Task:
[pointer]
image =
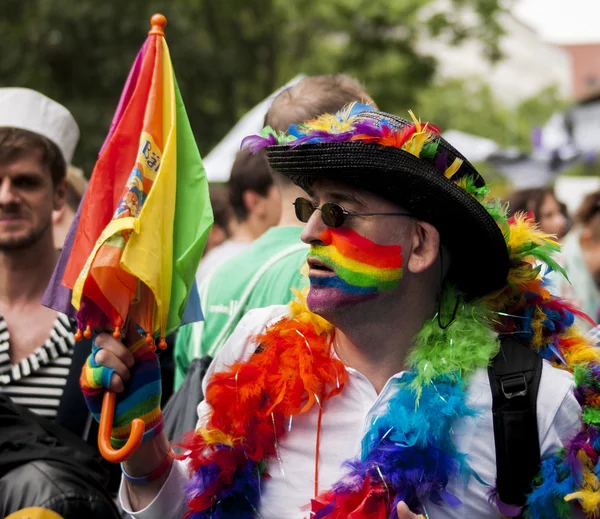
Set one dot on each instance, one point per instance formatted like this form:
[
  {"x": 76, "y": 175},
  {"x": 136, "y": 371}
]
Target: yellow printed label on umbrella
[
  {"x": 150, "y": 156},
  {"x": 115, "y": 226}
]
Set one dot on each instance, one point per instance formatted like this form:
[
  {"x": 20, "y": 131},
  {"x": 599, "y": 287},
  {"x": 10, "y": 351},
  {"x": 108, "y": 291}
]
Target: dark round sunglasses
[{"x": 333, "y": 215}]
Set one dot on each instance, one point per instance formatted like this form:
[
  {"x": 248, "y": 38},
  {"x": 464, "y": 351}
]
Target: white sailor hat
[{"x": 27, "y": 109}]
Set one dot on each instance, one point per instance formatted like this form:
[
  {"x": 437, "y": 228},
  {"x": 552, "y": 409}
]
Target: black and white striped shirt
[{"x": 38, "y": 381}]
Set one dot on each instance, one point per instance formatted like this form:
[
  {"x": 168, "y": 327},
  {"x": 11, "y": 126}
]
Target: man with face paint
[{"x": 369, "y": 397}]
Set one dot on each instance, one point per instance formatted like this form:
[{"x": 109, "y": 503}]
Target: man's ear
[
  {"x": 60, "y": 195},
  {"x": 251, "y": 201},
  {"x": 586, "y": 236},
  {"x": 57, "y": 214},
  {"x": 425, "y": 247}
]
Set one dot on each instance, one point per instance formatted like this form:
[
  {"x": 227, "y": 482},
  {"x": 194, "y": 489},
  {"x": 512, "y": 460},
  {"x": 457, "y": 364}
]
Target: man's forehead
[
  {"x": 334, "y": 191},
  {"x": 24, "y": 163},
  {"x": 328, "y": 187}
]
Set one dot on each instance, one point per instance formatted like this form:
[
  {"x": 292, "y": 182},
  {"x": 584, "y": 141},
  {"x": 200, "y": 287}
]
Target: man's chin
[
  {"x": 19, "y": 242},
  {"x": 325, "y": 301}
]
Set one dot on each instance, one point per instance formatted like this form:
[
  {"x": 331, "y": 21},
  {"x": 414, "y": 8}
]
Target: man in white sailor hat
[{"x": 37, "y": 139}]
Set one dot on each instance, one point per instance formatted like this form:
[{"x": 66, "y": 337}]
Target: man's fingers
[
  {"x": 116, "y": 383},
  {"x": 117, "y": 348},
  {"x": 404, "y": 512},
  {"x": 109, "y": 360}
]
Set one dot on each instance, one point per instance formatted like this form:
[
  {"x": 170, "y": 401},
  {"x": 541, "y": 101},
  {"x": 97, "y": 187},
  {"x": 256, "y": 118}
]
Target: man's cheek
[{"x": 362, "y": 267}]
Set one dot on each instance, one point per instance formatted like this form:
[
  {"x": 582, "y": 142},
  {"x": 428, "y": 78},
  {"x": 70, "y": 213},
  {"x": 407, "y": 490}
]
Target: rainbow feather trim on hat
[{"x": 418, "y": 139}]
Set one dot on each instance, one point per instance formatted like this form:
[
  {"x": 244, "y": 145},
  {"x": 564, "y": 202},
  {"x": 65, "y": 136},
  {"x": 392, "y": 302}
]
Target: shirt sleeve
[{"x": 169, "y": 503}]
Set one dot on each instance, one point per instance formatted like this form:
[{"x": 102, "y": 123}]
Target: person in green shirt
[{"x": 269, "y": 270}]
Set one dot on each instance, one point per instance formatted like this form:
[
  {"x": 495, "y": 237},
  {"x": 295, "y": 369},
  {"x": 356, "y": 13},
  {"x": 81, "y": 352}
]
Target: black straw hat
[{"x": 479, "y": 255}]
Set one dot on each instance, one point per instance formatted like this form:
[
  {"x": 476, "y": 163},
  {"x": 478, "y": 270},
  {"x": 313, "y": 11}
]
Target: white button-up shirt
[{"x": 287, "y": 493}]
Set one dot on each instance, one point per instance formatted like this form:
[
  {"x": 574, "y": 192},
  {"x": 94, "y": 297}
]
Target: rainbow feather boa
[{"x": 408, "y": 454}]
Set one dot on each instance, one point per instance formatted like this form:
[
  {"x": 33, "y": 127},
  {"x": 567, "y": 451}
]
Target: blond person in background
[
  {"x": 63, "y": 217},
  {"x": 254, "y": 202},
  {"x": 238, "y": 285}
]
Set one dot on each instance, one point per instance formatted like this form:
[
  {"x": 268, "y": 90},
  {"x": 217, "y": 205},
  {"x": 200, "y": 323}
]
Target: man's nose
[
  {"x": 315, "y": 231},
  {"x": 7, "y": 192}
]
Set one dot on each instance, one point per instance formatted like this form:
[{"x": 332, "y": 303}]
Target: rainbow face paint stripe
[{"x": 362, "y": 268}]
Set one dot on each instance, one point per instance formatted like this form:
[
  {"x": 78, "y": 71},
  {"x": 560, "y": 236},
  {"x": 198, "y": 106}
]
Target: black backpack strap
[{"x": 515, "y": 379}]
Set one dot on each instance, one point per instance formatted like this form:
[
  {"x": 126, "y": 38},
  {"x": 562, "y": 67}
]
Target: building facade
[{"x": 585, "y": 69}]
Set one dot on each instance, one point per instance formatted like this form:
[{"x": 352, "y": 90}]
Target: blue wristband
[{"x": 155, "y": 474}]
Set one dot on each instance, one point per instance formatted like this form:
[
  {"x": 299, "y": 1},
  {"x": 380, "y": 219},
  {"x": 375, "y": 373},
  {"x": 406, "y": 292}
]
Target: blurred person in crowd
[
  {"x": 39, "y": 365},
  {"x": 550, "y": 214},
  {"x": 37, "y": 140},
  {"x": 221, "y": 228},
  {"x": 581, "y": 258},
  {"x": 270, "y": 268},
  {"x": 63, "y": 217},
  {"x": 255, "y": 204},
  {"x": 548, "y": 211}
]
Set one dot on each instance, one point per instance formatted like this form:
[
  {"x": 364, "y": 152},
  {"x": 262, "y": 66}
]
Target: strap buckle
[{"x": 514, "y": 385}]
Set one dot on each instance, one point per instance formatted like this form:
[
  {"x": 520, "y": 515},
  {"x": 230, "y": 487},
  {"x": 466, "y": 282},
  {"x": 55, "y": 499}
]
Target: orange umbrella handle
[{"x": 106, "y": 422}]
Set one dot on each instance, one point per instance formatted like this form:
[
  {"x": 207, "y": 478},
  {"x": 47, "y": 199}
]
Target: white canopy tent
[
  {"x": 476, "y": 149},
  {"x": 219, "y": 161}
]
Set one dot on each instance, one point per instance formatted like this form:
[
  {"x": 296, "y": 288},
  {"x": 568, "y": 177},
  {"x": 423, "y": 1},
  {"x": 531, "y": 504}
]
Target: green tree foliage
[
  {"x": 469, "y": 105},
  {"x": 228, "y": 54}
]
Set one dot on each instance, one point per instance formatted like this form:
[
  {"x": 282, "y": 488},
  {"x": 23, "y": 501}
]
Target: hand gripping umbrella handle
[{"x": 106, "y": 422}]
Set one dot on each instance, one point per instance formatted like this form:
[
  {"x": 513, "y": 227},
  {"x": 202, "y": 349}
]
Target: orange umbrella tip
[
  {"x": 158, "y": 23},
  {"x": 88, "y": 332},
  {"x": 162, "y": 344},
  {"x": 117, "y": 333},
  {"x": 78, "y": 335}
]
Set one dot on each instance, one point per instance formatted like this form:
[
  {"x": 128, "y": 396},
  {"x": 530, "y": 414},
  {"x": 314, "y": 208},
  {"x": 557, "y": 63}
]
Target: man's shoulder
[
  {"x": 555, "y": 385},
  {"x": 256, "y": 320},
  {"x": 557, "y": 406},
  {"x": 242, "y": 342}
]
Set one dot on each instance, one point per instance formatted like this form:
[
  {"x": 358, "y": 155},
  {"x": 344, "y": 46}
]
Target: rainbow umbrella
[{"x": 134, "y": 247}]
